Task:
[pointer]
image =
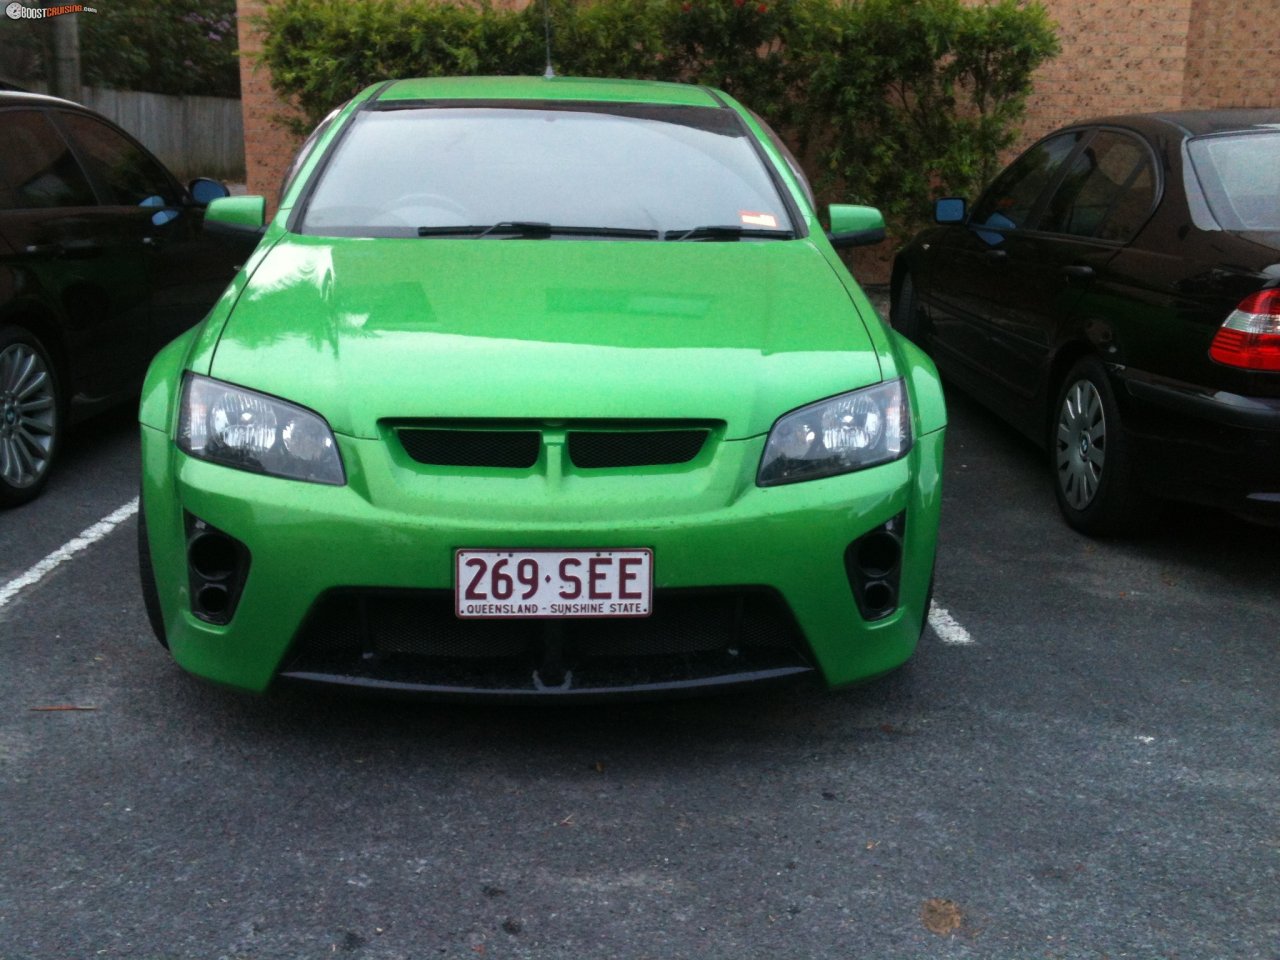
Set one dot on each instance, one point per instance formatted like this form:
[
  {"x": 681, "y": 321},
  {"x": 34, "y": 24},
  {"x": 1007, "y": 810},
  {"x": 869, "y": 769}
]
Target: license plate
[{"x": 500, "y": 584}]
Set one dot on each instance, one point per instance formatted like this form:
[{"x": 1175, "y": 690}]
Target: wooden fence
[{"x": 194, "y": 136}]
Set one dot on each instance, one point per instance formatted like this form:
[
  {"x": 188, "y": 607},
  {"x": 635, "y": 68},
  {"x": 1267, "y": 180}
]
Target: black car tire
[
  {"x": 30, "y": 415},
  {"x": 1089, "y": 454},
  {"x": 904, "y": 310},
  {"x": 147, "y": 577}
]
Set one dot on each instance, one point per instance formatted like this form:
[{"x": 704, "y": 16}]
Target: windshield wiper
[
  {"x": 727, "y": 232},
  {"x": 535, "y": 230},
  {"x": 519, "y": 228}
]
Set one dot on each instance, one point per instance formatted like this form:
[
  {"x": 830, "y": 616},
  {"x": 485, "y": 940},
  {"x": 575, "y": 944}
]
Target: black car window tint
[
  {"x": 1106, "y": 193},
  {"x": 1011, "y": 198},
  {"x": 1132, "y": 206},
  {"x": 130, "y": 176},
  {"x": 37, "y": 170}
]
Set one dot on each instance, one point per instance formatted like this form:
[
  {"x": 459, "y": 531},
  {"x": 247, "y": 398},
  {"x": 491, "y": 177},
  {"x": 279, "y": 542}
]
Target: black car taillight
[{"x": 1250, "y": 337}]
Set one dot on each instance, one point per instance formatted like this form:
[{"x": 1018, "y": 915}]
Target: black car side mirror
[
  {"x": 205, "y": 190},
  {"x": 949, "y": 210}
]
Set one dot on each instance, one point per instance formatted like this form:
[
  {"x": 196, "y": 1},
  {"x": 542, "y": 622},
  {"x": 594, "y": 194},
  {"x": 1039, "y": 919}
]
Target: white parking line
[
  {"x": 86, "y": 539},
  {"x": 945, "y": 626}
]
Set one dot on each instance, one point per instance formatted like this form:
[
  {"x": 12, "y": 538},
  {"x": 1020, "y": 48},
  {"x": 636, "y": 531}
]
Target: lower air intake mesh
[
  {"x": 634, "y": 448},
  {"x": 517, "y": 449},
  {"x": 411, "y": 638}
]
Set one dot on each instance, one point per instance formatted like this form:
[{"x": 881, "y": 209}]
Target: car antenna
[{"x": 549, "y": 73}]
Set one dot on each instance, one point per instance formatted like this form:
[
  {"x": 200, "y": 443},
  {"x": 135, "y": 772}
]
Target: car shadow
[
  {"x": 104, "y": 432},
  {"x": 655, "y": 736}
]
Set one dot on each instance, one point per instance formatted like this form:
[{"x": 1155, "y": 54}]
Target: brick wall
[
  {"x": 1233, "y": 57},
  {"x": 1117, "y": 56},
  {"x": 268, "y": 144}
]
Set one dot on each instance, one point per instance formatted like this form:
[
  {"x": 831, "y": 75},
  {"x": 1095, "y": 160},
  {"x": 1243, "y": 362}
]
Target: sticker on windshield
[{"x": 752, "y": 219}]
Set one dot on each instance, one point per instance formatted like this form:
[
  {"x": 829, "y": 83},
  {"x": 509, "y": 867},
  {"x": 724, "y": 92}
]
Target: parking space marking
[
  {"x": 946, "y": 627},
  {"x": 86, "y": 539}
]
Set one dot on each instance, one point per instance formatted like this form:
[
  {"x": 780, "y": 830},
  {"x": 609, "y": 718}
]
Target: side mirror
[
  {"x": 949, "y": 210},
  {"x": 204, "y": 190},
  {"x": 855, "y": 226},
  {"x": 237, "y": 214}
]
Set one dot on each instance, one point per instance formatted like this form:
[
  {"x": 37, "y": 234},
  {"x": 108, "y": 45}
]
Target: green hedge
[{"x": 890, "y": 102}]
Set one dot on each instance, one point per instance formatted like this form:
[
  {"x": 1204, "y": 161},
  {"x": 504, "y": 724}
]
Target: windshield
[
  {"x": 652, "y": 170},
  {"x": 1240, "y": 177}
]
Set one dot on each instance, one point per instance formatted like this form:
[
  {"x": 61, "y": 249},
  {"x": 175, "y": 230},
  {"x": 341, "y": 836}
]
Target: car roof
[
  {"x": 550, "y": 88},
  {"x": 19, "y": 98},
  {"x": 1195, "y": 123}
]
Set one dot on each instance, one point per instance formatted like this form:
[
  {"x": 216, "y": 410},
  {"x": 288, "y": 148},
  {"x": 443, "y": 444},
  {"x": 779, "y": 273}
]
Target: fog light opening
[
  {"x": 217, "y": 568},
  {"x": 213, "y": 600},
  {"x": 212, "y": 556},
  {"x": 880, "y": 598},
  {"x": 878, "y": 554},
  {"x": 873, "y": 564}
]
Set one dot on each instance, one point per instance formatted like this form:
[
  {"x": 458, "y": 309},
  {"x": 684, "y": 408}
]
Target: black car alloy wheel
[
  {"x": 28, "y": 415},
  {"x": 1082, "y": 443},
  {"x": 1095, "y": 487}
]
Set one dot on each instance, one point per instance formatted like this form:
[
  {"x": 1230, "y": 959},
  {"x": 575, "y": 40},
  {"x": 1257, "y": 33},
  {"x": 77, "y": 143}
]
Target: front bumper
[{"x": 392, "y": 530}]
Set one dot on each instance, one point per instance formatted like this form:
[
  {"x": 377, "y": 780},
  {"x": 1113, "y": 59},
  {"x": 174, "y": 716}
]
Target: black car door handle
[
  {"x": 997, "y": 255},
  {"x": 80, "y": 249},
  {"x": 72, "y": 250},
  {"x": 1077, "y": 271}
]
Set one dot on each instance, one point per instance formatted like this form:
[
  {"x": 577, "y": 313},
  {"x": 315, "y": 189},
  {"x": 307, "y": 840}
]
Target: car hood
[{"x": 368, "y": 330}]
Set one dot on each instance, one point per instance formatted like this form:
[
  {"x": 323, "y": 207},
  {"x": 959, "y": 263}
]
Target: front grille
[
  {"x": 628, "y": 448},
  {"x": 514, "y": 449},
  {"x": 410, "y": 639},
  {"x": 517, "y": 445}
]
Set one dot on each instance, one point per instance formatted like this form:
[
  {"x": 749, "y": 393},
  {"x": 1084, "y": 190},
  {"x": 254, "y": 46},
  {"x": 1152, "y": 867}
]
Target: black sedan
[
  {"x": 103, "y": 259},
  {"x": 1115, "y": 295}
]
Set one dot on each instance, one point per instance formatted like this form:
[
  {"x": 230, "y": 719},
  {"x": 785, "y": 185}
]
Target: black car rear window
[
  {"x": 400, "y": 171},
  {"x": 1240, "y": 177}
]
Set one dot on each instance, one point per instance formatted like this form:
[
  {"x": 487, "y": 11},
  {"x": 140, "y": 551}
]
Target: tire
[
  {"x": 1089, "y": 453},
  {"x": 31, "y": 421},
  {"x": 147, "y": 577},
  {"x": 904, "y": 310}
]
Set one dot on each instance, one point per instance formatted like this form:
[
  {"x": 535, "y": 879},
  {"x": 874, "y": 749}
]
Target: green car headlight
[
  {"x": 247, "y": 430},
  {"x": 850, "y": 432}
]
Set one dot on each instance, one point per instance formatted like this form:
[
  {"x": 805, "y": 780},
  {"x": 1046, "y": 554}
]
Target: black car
[
  {"x": 1115, "y": 295},
  {"x": 103, "y": 259}
]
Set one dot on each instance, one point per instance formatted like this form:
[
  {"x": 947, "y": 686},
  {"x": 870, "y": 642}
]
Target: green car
[{"x": 541, "y": 388}]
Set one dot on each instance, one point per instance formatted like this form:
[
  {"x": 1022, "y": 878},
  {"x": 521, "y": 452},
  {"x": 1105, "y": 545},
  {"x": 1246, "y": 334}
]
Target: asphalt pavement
[{"x": 1094, "y": 774}]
